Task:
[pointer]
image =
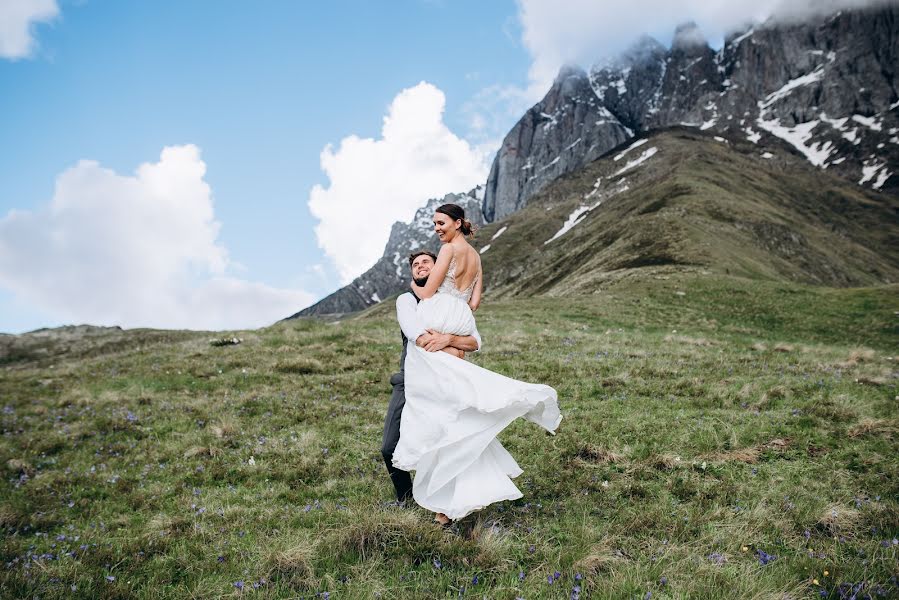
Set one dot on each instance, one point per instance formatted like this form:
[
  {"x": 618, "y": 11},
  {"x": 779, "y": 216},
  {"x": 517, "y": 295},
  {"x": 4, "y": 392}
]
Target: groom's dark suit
[
  {"x": 402, "y": 481},
  {"x": 409, "y": 327}
]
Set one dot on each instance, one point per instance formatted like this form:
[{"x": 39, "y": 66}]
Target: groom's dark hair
[{"x": 415, "y": 255}]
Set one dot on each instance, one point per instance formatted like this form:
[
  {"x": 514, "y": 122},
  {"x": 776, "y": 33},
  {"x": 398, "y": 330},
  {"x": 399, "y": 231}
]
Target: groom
[{"x": 433, "y": 341}]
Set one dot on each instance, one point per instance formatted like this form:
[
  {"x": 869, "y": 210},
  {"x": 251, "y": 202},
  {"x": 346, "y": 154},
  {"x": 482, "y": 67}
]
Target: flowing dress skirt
[{"x": 454, "y": 410}]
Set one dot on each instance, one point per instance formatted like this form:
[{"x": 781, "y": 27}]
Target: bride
[{"x": 454, "y": 409}]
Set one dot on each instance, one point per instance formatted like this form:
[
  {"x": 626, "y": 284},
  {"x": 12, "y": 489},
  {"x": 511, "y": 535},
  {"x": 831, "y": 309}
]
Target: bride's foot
[{"x": 444, "y": 520}]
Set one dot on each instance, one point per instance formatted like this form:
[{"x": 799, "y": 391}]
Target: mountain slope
[
  {"x": 682, "y": 198},
  {"x": 827, "y": 86}
]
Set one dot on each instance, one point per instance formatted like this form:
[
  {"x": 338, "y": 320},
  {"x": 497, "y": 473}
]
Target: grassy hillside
[
  {"x": 697, "y": 201},
  {"x": 723, "y": 438}
]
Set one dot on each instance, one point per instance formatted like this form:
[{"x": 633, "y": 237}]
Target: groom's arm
[
  {"x": 433, "y": 341},
  {"x": 407, "y": 315}
]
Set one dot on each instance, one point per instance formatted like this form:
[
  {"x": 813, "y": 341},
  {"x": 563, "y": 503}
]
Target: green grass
[{"x": 736, "y": 414}]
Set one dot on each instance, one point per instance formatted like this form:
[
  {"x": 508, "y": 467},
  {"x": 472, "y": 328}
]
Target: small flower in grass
[
  {"x": 532, "y": 549},
  {"x": 238, "y": 585},
  {"x": 764, "y": 557},
  {"x": 717, "y": 558},
  {"x": 521, "y": 576},
  {"x": 647, "y": 596},
  {"x": 578, "y": 577},
  {"x": 437, "y": 564},
  {"x": 221, "y": 559},
  {"x": 474, "y": 580},
  {"x": 744, "y": 548},
  {"x": 556, "y": 575},
  {"x": 663, "y": 580},
  {"x": 550, "y": 580},
  {"x": 110, "y": 578}
]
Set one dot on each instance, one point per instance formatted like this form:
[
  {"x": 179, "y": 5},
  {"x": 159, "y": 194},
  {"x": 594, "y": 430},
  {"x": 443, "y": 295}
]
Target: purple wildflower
[
  {"x": 238, "y": 585},
  {"x": 521, "y": 576},
  {"x": 764, "y": 557},
  {"x": 556, "y": 575},
  {"x": 663, "y": 580},
  {"x": 474, "y": 580},
  {"x": 110, "y": 578},
  {"x": 437, "y": 564}
]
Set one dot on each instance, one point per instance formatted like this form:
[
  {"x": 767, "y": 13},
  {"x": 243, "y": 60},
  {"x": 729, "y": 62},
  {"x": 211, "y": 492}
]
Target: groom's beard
[{"x": 420, "y": 282}]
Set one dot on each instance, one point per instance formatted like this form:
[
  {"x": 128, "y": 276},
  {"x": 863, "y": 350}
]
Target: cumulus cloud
[
  {"x": 375, "y": 182},
  {"x": 139, "y": 251},
  {"x": 17, "y": 21},
  {"x": 556, "y": 32}
]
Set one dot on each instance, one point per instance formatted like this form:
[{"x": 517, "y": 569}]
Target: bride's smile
[{"x": 444, "y": 227}]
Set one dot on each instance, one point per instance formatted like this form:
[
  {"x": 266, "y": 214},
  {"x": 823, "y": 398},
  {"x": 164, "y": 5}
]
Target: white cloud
[
  {"x": 556, "y": 32},
  {"x": 374, "y": 183},
  {"x": 17, "y": 20},
  {"x": 136, "y": 251}
]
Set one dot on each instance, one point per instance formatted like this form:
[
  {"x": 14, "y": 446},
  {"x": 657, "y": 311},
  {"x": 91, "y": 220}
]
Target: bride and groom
[{"x": 445, "y": 413}]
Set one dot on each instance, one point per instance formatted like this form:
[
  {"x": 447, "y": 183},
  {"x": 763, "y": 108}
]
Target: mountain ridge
[
  {"x": 824, "y": 90},
  {"x": 827, "y": 86}
]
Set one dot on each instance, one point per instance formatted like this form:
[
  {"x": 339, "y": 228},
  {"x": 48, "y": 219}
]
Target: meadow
[{"x": 722, "y": 438}]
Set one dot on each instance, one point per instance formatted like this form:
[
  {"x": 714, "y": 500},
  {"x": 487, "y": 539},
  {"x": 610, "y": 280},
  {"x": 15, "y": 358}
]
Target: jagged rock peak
[
  {"x": 688, "y": 36},
  {"x": 645, "y": 50},
  {"x": 569, "y": 70}
]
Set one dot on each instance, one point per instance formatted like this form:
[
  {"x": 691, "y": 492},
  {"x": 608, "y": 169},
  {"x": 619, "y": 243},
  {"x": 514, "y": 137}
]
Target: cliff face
[
  {"x": 828, "y": 87},
  {"x": 563, "y": 132}
]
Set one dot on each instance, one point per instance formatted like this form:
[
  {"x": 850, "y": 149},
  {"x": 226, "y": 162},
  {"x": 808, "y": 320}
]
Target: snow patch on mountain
[{"x": 646, "y": 155}]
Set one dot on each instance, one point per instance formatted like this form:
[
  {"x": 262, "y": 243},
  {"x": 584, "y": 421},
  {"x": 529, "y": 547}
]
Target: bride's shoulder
[{"x": 446, "y": 250}]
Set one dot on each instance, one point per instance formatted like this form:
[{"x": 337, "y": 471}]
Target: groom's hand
[{"x": 437, "y": 341}]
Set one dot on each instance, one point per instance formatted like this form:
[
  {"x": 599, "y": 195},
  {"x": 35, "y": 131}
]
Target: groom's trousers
[{"x": 402, "y": 481}]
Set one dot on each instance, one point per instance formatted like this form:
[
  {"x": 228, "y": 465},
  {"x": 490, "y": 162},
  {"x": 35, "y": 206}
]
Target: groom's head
[{"x": 422, "y": 262}]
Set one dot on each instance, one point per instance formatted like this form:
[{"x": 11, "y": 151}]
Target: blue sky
[
  {"x": 245, "y": 118},
  {"x": 260, "y": 88}
]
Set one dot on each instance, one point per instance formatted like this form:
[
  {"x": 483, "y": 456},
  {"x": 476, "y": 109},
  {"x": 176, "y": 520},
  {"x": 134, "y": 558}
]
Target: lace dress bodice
[{"x": 448, "y": 286}]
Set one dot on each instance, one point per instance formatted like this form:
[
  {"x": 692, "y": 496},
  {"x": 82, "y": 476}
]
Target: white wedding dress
[{"x": 454, "y": 410}]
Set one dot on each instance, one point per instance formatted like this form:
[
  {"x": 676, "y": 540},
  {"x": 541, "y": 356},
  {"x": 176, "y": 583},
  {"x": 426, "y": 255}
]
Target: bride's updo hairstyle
[{"x": 456, "y": 212}]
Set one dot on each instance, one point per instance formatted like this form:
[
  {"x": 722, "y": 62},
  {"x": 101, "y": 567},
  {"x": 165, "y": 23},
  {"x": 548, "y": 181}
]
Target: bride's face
[{"x": 445, "y": 227}]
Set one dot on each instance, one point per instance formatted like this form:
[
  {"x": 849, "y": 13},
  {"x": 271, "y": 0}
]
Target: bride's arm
[
  {"x": 437, "y": 275},
  {"x": 475, "y": 300}
]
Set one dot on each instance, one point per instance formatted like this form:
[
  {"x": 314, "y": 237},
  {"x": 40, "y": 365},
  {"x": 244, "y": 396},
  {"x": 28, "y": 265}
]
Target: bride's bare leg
[{"x": 442, "y": 519}]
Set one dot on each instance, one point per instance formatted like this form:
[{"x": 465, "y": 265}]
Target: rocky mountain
[
  {"x": 827, "y": 86},
  {"x": 391, "y": 274},
  {"x": 824, "y": 90},
  {"x": 680, "y": 199}
]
